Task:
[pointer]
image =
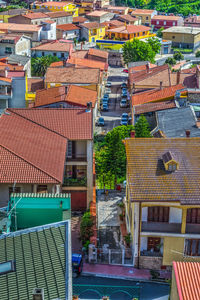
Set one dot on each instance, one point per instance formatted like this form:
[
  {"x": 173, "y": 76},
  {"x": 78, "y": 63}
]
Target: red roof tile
[
  {"x": 67, "y": 27},
  {"x": 37, "y": 15},
  {"x": 35, "y": 153},
  {"x": 35, "y": 84},
  {"x": 96, "y": 52},
  {"x": 73, "y": 124},
  {"x": 142, "y": 11},
  {"x": 88, "y": 63},
  {"x": 80, "y": 95},
  {"x": 155, "y": 95},
  {"x": 150, "y": 107},
  {"x": 49, "y": 96},
  {"x": 170, "y": 18},
  {"x": 55, "y": 46},
  {"x": 79, "y": 19},
  {"x": 92, "y": 25},
  {"x": 187, "y": 275},
  {"x": 130, "y": 29}
]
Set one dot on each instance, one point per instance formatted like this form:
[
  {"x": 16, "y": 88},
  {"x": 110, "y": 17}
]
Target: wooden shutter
[
  {"x": 194, "y": 215},
  {"x": 188, "y": 219},
  {"x": 161, "y": 214},
  {"x": 156, "y": 212},
  {"x": 150, "y": 214},
  {"x": 166, "y": 214},
  {"x": 198, "y": 215}
]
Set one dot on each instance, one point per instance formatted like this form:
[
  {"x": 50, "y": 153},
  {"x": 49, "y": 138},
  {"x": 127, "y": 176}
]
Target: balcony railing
[
  {"x": 193, "y": 228},
  {"x": 161, "y": 227},
  {"x": 75, "y": 181}
]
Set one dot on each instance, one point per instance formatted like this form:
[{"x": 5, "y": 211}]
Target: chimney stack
[
  {"x": 133, "y": 134},
  {"x": 187, "y": 132},
  {"x": 38, "y": 294},
  {"x": 178, "y": 77},
  {"x": 147, "y": 67},
  {"x": 161, "y": 83}
]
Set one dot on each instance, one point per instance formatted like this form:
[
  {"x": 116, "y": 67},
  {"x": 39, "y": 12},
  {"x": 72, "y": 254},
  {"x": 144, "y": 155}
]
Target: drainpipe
[{"x": 139, "y": 228}]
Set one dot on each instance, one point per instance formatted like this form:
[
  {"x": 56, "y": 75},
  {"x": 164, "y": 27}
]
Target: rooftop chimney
[
  {"x": 147, "y": 67},
  {"x": 161, "y": 83},
  {"x": 89, "y": 105},
  {"x": 38, "y": 294},
  {"x": 178, "y": 77},
  {"x": 187, "y": 132},
  {"x": 133, "y": 134}
]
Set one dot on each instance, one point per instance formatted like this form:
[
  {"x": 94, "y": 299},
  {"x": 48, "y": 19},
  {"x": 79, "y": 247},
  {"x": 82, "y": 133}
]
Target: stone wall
[{"x": 149, "y": 262}]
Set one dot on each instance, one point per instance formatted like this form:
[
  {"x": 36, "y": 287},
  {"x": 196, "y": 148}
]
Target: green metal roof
[{"x": 42, "y": 255}]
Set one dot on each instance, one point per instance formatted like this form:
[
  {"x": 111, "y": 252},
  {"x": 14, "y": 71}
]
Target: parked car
[
  {"x": 104, "y": 107},
  {"x": 125, "y": 71},
  {"x": 123, "y": 103},
  {"x": 123, "y": 85},
  {"x": 77, "y": 264},
  {"x": 124, "y": 122},
  {"x": 125, "y": 116},
  {"x": 108, "y": 84},
  {"x": 105, "y": 102},
  {"x": 108, "y": 91},
  {"x": 124, "y": 93},
  {"x": 106, "y": 96},
  {"x": 100, "y": 122}
]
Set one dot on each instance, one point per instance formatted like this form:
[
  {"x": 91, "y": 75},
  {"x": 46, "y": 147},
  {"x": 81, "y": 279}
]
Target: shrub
[
  {"x": 178, "y": 56},
  {"x": 86, "y": 227},
  {"x": 197, "y": 54},
  {"x": 170, "y": 61}
]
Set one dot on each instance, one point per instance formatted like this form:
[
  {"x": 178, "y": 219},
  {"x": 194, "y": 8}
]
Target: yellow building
[
  {"x": 58, "y": 6},
  {"x": 163, "y": 200},
  {"x": 32, "y": 85},
  {"x": 5, "y": 15},
  {"x": 128, "y": 32},
  {"x": 92, "y": 31},
  {"x": 145, "y": 15}
]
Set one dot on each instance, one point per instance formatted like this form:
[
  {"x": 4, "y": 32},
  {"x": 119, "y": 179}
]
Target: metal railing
[{"x": 75, "y": 181}]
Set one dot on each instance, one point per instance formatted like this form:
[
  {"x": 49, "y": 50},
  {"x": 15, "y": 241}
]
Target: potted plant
[
  {"x": 121, "y": 216},
  {"x": 127, "y": 239}
]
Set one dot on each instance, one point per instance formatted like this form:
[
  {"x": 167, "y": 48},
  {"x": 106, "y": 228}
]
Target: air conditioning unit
[{"x": 38, "y": 294}]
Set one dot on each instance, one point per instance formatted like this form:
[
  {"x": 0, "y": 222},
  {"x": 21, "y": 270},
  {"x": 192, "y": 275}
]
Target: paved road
[
  {"x": 113, "y": 116},
  {"x": 148, "y": 291}
]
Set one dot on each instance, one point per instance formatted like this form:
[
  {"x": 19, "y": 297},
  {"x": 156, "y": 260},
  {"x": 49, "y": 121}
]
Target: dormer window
[
  {"x": 7, "y": 267},
  {"x": 170, "y": 162}
]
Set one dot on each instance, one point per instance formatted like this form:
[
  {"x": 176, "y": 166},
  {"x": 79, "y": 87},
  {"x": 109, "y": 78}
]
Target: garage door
[{"x": 78, "y": 200}]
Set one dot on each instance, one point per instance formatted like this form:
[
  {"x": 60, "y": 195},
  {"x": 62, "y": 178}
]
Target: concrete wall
[
  {"x": 175, "y": 215},
  {"x": 38, "y": 53},
  {"x": 89, "y": 171},
  {"x": 181, "y": 40},
  {"x": 23, "y": 47},
  {"x": 48, "y": 32},
  {"x": 18, "y": 93},
  {"x": 174, "y": 291},
  {"x": 143, "y": 243},
  {"x": 81, "y": 148},
  {"x": 68, "y": 34},
  {"x": 148, "y": 262},
  {"x": 63, "y": 20},
  {"x": 144, "y": 214},
  {"x": 85, "y": 33}
]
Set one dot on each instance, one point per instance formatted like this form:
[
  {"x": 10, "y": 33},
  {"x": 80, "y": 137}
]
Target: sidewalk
[{"x": 113, "y": 271}]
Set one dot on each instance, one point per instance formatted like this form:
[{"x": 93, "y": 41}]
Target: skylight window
[{"x": 7, "y": 267}]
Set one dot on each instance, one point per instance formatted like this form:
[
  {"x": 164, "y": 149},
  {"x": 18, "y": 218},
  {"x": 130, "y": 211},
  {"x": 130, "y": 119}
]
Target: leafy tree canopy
[
  {"x": 178, "y": 56},
  {"x": 159, "y": 32},
  {"x": 39, "y": 65},
  {"x": 170, "y": 61},
  {"x": 138, "y": 50},
  {"x": 142, "y": 128}
]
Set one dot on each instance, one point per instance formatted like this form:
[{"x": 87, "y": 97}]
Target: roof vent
[
  {"x": 89, "y": 105},
  {"x": 38, "y": 294},
  {"x": 170, "y": 163}
]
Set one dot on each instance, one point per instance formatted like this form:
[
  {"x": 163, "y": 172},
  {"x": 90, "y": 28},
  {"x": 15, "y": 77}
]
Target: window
[
  {"x": 174, "y": 23},
  {"x": 173, "y": 37},
  {"x": 192, "y": 247},
  {"x": 157, "y": 22},
  {"x": 7, "y": 267},
  {"x": 54, "y": 54},
  {"x": 62, "y": 55},
  {"x": 15, "y": 189},
  {"x": 143, "y": 33},
  {"x": 193, "y": 216},
  {"x": 8, "y": 50},
  {"x": 153, "y": 244},
  {"x": 164, "y": 22},
  {"x": 42, "y": 53},
  {"x": 147, "y": 18},
  {"x": 42, "y": 188},
  {"x": 158, "y": 214}
]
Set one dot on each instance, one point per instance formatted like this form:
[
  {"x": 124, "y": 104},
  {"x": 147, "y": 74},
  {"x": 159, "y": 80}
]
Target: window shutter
[
  {"x": 166, "y": 214},
  {"x": 156, "y": 211},
  {"x": 161, "y": 214},
  {"x": 198, "y": 215},
  {"x": 194, "y": 215},
  {"x": 188, "y": 219},
  {"x": 150, "y": 214}
]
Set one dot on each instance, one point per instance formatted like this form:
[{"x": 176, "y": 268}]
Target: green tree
[
  {"x": 197, "y": 54},
  {"x": 39, "y": 65},
  {"x": 86, "y": 227},
  {"x": 170, "y": 61},
  {"x": 142, "y": 128},
  {"x": 178, "y": 56},
  {"x": 137, "y": 50},
  {"x": 159, "y": 33},
  {"x": 155, "y": 44}
]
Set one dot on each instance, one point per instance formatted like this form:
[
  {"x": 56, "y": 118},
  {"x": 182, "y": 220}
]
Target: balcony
[
  {"x": 75, "y": 181},
  {"x": 193, "y": 228},
  {"x": 77, "y": 157},
  {"x": 161, "y": 227}
]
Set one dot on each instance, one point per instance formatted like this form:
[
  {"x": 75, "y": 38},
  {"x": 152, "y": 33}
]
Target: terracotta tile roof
[
  {"x": 37, "y": 15},
  {"x": 128, "y": 18},
  {"x": 49, "y": 96},
  {"x": 146, "y": 176},
  {"x": 187, "y": 276},
  {"x": 73, "y": 75},
  {"x": 88, "y": 63},
  {"x": 80, "y": 95},
  {"x": 10, "y": 67},
  {"x": 57, "y": 14},
  {"x": 142, "y": 11},
  {"x": 115, "y": 23},
  {"x": 97, "y": 13},
  {"x": 67, "y": 27},
  {"x": 29, "y": 152},
  {"x": 151, "y": 107},
  {"x": 130, "y": 29},
  {"x": 170, "y": 18},
  {"x": 155, "y": 95},
  {"x": 5, "y": 79},
  {"x": 80, "y": 54},
  {"x": 10, "y": 36},
  {"x": 92, "y": 25},
  {"x": 141, "y": 68},
  {"x": 73, "y": 124},
  {"x": 117, "y": 7},
  {"x": 35, "y": 84},
  {"x": 54, "y": 46},
  {"x": 49, "y": 21},
  {"x": 79, "y": 19},
  {"x": 96, "y": 52},
  {"x": 13, "y": 27}
]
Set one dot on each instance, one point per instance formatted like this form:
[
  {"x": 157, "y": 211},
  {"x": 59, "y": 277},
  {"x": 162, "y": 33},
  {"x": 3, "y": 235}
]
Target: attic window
[
  {"x": 170, "y": 163},
  {"x": 7, "y": 267}
]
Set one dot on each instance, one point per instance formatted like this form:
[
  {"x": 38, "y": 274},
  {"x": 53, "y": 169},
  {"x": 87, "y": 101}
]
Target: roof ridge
[
  {"x": 26, "y": 118},
  {"x": 19, "y": 156}
]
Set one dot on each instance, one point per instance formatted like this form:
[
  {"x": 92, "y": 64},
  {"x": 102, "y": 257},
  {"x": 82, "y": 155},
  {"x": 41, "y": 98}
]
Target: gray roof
[
  {"x": 21, "y": 59},
  {"x": 43, "y": 260},
  {"x": 174, "y": 122},
  {"x": 183, "y": 29}
]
